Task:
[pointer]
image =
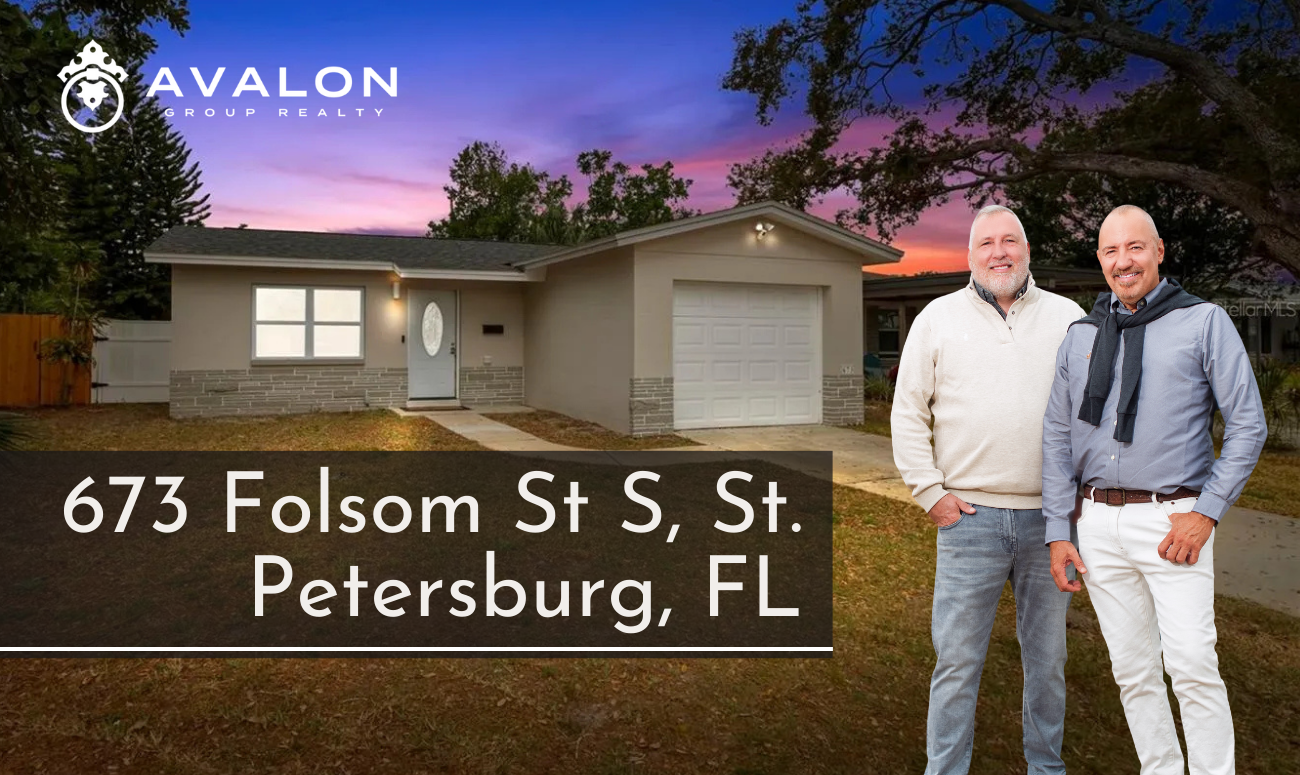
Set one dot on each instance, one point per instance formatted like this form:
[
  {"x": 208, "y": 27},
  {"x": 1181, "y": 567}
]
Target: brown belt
[{"x": 1118, "y": 496}]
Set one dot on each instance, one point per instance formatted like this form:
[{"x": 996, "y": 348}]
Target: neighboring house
[
  {"x": 890, "y": 304},
  {"x": 747, "y": 316},
  {"x": 1269, "y": 327}
]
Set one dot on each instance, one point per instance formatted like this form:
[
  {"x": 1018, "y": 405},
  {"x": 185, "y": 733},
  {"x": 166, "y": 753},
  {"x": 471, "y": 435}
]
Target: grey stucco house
[{"x": 746, "y": 316}]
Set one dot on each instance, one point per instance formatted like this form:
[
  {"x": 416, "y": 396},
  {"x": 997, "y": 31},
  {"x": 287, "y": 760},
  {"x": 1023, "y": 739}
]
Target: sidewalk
[{"x": 1256, "y": 554}]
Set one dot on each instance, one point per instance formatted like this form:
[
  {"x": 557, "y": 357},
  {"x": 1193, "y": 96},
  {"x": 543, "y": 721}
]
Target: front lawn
[
  {"x": 147, "y": 427},
  {"x": 1275, "y": 485},
  {"x": 863, "y": 710},
  {"x": 571, "y": 432}
]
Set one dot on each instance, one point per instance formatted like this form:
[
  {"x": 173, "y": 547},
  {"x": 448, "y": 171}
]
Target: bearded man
[{"x": 978, "y": 364}]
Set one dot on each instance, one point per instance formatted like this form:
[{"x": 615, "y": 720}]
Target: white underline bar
[{"x": 420, "y": 649}]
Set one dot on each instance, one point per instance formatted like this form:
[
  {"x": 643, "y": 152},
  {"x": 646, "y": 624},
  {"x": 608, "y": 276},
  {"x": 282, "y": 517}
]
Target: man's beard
[{"x": 1002, "y": 285}]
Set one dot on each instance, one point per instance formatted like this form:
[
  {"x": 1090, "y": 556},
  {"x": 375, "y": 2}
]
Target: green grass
[
  {"x": 1275, "y": 484},
  {"x": 148, "y": 427},
  {"x": 562, "y": 429}
]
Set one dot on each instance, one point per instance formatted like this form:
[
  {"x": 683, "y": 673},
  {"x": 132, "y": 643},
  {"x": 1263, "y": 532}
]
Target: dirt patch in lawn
[
  {"x": 562, "y": 429},
  {"x": 864, "y": 710},
  {"x": 110, "y": 427}
]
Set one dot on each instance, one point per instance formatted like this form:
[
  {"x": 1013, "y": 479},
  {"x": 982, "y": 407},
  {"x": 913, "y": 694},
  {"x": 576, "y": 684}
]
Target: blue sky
[{"x": 546, "y": 80}]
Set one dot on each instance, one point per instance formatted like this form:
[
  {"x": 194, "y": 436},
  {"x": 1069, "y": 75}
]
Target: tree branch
[
  {"x": 1216, "y": 84},
  {"x": 1293, "y": 6},
  {"x": 1249, "y": 200}
]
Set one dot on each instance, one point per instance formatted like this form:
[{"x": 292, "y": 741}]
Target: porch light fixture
[
  {"x": 762, "y": 228},
  {"x": 397, "y": 289}
]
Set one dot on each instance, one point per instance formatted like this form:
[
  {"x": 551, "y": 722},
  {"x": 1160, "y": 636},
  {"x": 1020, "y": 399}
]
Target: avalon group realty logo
[{"x": 93, "y": 73}]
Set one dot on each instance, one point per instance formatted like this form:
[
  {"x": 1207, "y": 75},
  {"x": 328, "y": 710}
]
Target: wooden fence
[{"x": 26, "y": 378}]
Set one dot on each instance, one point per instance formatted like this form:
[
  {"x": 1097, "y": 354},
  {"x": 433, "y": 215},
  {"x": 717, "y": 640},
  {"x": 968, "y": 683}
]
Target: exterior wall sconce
[
  {"x": 762, "y": 228},
  {"x": 397, "y": 289}
]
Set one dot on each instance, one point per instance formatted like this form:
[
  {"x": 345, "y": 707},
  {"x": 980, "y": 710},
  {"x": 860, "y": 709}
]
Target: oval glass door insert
[{"x": 431, "y": 329}]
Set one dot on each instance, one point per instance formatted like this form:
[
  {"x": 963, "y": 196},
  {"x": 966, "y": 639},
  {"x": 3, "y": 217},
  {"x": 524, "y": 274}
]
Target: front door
[{"x": 431, "y": 344}]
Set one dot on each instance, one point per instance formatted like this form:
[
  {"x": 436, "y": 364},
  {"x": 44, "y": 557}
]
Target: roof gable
[{"x": 872, "y": 251}]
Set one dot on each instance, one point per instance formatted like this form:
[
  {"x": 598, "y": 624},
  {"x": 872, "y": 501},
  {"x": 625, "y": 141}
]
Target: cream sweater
[{"x": 984, "y": 382}]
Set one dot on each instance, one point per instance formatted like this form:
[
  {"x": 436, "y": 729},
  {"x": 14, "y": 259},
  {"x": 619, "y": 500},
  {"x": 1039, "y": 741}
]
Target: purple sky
[{"x": 546, "y": 80}]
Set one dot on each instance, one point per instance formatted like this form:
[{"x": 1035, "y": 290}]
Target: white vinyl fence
[{"x": 132, "y": 362}]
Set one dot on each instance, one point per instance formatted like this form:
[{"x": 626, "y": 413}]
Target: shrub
[
  {"x": 1279, "y": 393},
  {"x": 878, "y": 389}
]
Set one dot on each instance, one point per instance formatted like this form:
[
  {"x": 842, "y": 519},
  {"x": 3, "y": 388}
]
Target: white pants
[{"x": 1147, "y": 605}]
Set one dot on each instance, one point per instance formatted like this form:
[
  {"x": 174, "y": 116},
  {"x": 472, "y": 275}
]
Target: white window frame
[{"x": 308, "y": 324}]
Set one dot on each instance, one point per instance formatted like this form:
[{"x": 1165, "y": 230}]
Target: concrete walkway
[
  {"x": 490, "y": 433},
  {"x": 862, "y": 461},
  {"x": 1256, "y": 554}
]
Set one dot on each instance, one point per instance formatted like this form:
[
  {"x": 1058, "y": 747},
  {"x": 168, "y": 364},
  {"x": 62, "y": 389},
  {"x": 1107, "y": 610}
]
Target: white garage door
[{"x": 746, "y": 355}]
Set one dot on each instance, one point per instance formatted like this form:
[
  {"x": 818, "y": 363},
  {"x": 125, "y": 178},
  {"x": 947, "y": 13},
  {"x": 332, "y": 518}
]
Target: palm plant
[{"x": 82, "y": 318}]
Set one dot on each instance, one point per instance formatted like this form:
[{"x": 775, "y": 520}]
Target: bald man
[{"x": 1128, "y": 419}]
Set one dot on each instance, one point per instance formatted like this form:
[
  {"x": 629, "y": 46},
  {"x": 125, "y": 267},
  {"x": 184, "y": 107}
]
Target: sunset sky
[{"x": 546, "y": 80}]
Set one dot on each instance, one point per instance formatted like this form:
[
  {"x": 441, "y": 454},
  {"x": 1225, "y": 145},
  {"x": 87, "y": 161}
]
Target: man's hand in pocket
[{"x": 949, "y": 509}]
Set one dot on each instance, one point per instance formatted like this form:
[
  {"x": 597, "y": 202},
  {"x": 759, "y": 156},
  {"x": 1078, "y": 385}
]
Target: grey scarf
[{"x": 1105, "y": 346}]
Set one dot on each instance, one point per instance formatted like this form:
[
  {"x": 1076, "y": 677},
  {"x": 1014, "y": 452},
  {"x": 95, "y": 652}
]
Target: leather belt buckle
[{"x": 1120, "y": 492}]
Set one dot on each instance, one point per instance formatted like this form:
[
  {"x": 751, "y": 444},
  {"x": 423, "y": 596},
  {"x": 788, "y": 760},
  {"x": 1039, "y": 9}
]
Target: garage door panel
[
  {"x": 689, "y": 300},
  {"x": 797, "y": 336},
  {"x": 763, "y": 410},
  {"x": 687, "y": 373},
  {"x": 690, "y": 410},
  {"x": 746, "y": 355},
  {"x": 726, "y": 408},
  {"x": 688, "y": 334},
  {"x": 799, "y": 407},
  {"x": 727, "y": 335},
  {"x": 727, "y": 372},
  {"x": 799, "y": 304},
  {"x": 798, "y": 373},
  {"x": 763, "y": 335},
  {"x": 764, "y": 371}
]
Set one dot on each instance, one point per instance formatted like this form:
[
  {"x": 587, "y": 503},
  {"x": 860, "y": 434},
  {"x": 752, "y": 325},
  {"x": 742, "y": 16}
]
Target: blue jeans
[{"x": 977, "y": 555}]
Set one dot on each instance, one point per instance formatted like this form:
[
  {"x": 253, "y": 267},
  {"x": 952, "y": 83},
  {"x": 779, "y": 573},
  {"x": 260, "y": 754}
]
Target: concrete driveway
[
  {"x": 1257, "y": 555},
  {"x": 861, "y": 460}
]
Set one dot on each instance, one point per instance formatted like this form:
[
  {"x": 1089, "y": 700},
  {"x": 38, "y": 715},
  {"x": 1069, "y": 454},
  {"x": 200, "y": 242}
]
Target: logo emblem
[{"x": 92, "y": 72}]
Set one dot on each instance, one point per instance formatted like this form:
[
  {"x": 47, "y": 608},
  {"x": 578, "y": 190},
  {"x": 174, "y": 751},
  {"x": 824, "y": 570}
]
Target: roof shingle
[{"x": 403, "y": 252}]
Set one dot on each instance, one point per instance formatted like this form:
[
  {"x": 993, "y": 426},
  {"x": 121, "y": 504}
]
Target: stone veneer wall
[
  {"x": 651, "y": 405},
  {"x": 842, "y": 400},
  {"x": 285, "y": 390},
  {"x": 488, "y": 385}
]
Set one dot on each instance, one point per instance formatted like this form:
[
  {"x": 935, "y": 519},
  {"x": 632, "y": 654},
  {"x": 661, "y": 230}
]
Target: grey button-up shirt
[
  {"x": 987, "y": 295},
  {"x": 1191, "y": 359}
]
